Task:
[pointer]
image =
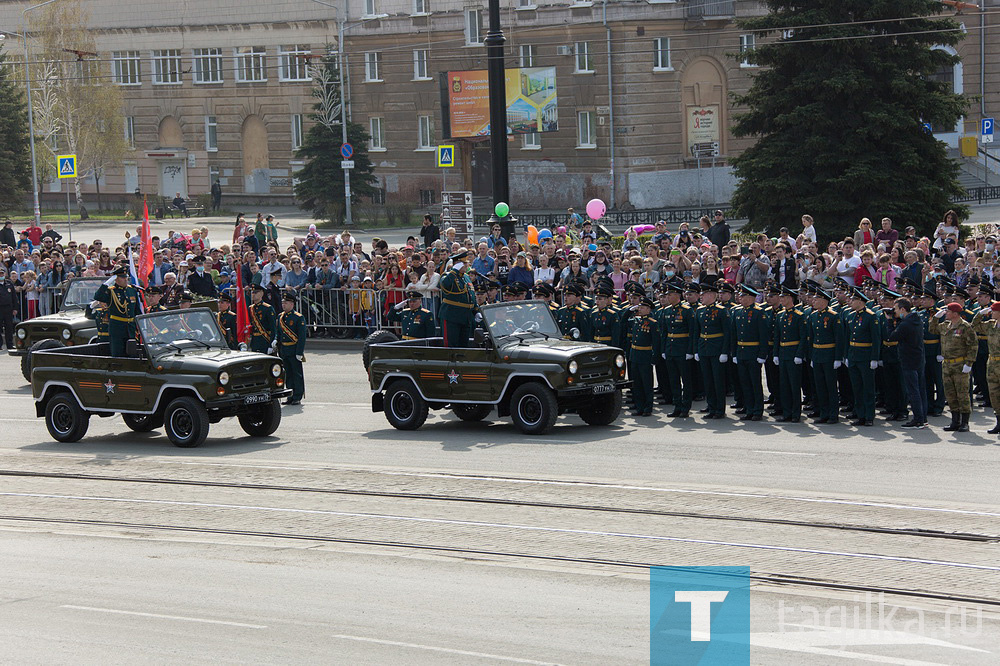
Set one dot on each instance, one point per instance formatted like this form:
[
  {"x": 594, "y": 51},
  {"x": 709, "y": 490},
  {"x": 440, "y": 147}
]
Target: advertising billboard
[{"x": 530, "y": 95}]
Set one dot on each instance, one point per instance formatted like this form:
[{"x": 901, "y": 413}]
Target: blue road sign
[
  {"x": 446, "y": 156},
  {"x": 988, "y": 125},
  {"x": 67, "y": 166},
  {"x": 346, "y": 151}
]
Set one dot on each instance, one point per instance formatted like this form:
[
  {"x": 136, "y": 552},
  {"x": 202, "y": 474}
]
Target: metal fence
[
  {"x": 616, "y": 222},
  {"x": 979, "y": 195},
  {"x": 354, "y": 313}
]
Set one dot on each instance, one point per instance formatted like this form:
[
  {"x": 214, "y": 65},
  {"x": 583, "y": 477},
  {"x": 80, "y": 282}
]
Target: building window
[
  {"x": 251, "y": 64},
  {"x": 425, "y": 130},
  {"x": 370, "y": 8},
  {"x": 527, "y": 55},
  {"x": 130, "y": 131},
  {"x": 166, "y": 67},
  {"x": 531, "y": 141},
  {"x": 208, "y": 65},
  {"x": 296, "y": 131},
  {"x": 293, "y": 63},
  {"x": 525, "y": 4},
  {"x": 420, "y": 65},
  {"x": 420, "y": 7},
  {"x": 747, "y": 43},
  {"x": 584, "y": 65},
  {"x": 661, "y": 54},
  {"x": 125, "y": 68},
  {"x": 373, "y": 66},
  {"x": 427, "y": 198},
  {"x": 585, "y": 137},
  {"x": 211, "y": 134},
  {"x": 378, "y": 196},
  {"x": 377, "y": 141},
  {"x": 473, "y": 27}
]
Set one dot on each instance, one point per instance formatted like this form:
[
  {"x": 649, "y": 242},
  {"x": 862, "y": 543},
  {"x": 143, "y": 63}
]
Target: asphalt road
[{"x": 198, "y": 573}]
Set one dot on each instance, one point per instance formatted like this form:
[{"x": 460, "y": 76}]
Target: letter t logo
[{"x": 701, "y": 610}]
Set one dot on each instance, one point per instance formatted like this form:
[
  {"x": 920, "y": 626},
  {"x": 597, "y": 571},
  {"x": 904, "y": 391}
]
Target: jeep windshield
[
  {"x": 178, "y": 328},
  {"x": 81, "y": 292},
  {"x": 521, "y": 317}
]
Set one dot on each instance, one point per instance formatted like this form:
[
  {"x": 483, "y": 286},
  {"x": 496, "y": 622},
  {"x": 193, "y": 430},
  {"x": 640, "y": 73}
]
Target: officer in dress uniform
[
  {"x": 679, "y": 330},
  {"x": 544, "y": 292},
  {"x": 573, "y": 314},
  {"x": 728, "y": 299},
  {"x": 959, "y": 347},
  {"x": 842, "y": 291},
  {"x": 263, "y": 323},
  {"x": 645, "y": 346},
  {"x": 889, "y": 375},
  {"x": 826, "y": 337},
  {"x": 604, "y": 318},
  {"x": 153, "y": 295},
  {"x": 864, "y": 346},
  {"x": 99, "y": 313},
  {"x": 122, "y": 302},
  {"x": 416, "y": 321},
  {"x": 932, "y": 350},
  {"x": 292, "y": 347},
  {"x": 228, "y": 322},
  {"x": 458, "y": 302},
  {"x": 482, "y": 289},
  {"x": 987, "y": 324},
  {"x": 788, "y": 354},
  {"x": 663, "y": 392},
  {"x": 712, "y": 351},
  {"x": 771, "y": 306},
  {"x": 750, "y": 339},
  {"x": 983, "y": 300}
]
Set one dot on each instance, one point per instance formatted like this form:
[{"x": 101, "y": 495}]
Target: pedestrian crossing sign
[
  {"x": 67, "y": 166},
  {"x": 446, "y": 156}
]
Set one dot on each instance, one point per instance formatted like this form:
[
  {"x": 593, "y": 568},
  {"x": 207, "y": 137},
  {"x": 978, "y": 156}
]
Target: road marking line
[
  {"x": 466, "y": 653},
  {"x": 784, "y": 453},
  {"x": 165, "y": 617},
  {"x": 20, "y": 420},
  {"x": 344, "y": 432},
  {"x": 529, "y": 528}
]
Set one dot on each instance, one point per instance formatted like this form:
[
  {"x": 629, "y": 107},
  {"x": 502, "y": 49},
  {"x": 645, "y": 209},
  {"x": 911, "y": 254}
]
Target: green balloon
[{"x": 502, "y": 209}]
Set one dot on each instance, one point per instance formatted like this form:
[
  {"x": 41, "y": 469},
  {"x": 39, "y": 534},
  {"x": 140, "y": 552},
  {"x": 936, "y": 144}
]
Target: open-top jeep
[
  {"x": 519, "y": 364},
  {"x": 182, "y": 377},
  {"x": 67, "y": 328}
]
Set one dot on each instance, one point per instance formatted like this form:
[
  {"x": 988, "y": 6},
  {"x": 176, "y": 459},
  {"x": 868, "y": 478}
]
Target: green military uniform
[
  {"x": 227, "y": 322},
  {"x": 263, "y": 327},
  {"x": 574, "y": 316},
  {"x": 100, "y": 317},
  {"x": 678, "y": 328},
  {"x": 988, "y": 327},
  {"x": 959, "y": 347},
  {"x": 416, "y": 324},
  {"x": 458, "y": 303},
  {"x": 122, "y": 307},
  {"x": 933, "y": 374},
  {"x": 826, "y": 336},
  {"x": 645, "y": 346},
  {"x": 292, "y": 346},
  {"x": 712, "y": 345},
  {"x": 605, "y": 326},
  {"x": 864, "y": 345},
  {"x": 789, "y": 352},
  {"x": 889, "y": 376},
  {"x": 750, "y": 339}
]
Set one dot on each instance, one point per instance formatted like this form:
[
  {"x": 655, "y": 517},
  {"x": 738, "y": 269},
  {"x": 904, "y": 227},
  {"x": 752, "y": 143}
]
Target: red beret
[{"x": 956, "y": 307}]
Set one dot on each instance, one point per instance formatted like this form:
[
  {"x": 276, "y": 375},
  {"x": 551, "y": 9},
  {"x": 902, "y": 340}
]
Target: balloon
[
  {"x": 596, "y": 209},
  {"x": 592, "y": 247},
  {"x": 543, "y": 234},
  {"x": 502, "y": 209},
  {"x": 561, "y": 230},
  {"x": 532, "y": 235}
]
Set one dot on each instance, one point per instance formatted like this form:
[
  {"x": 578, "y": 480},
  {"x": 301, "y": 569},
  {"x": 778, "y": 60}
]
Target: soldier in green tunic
[
  {"x": 933, "y": 359},
  {"x": 458, "y": 302},
  {"x": 712, "y": 350},
  {"x": 416, "y": 321},
  {"x": 959, "y": 347},
  {"x": 645, "y": 346},
  {"x": 604, "y": 318},
  {"x": 227, "y": 321},
  {"x": 750, "y": 340},
  {"x": 99, "y": 313},
  {"x": 864, "y": 346},
  {"x": 663, "y": 391},
  {"x": 987, "y": 324},
  {"x": 889, "y": 376},
  {"x": 573, "y": 314},
  {"x": 678, "y": 329},
  {"x": 292, "y": 347},
  {"x": 826, "y": 337},
  {"x": 789, "y": 354},
  {"x": 263, "y": 323},
  {"x": 153, "y": 295},
  {"x": 122, "y": 301}
]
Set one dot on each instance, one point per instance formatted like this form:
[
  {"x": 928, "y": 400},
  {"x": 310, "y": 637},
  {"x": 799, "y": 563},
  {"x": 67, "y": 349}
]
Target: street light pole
[
  {"x": 31, "y": 115},
  {"x": 498, "y": 105}
]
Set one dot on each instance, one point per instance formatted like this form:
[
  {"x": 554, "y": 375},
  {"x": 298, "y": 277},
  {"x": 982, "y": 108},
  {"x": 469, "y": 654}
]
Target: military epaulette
[
  {"x": 797, "y": 311},
  {"x": 685, "y": 306},
  {"x": 757, "y": 306},
  {"x": 425, "y": 310},
  {"x": 869, "y": 311}
]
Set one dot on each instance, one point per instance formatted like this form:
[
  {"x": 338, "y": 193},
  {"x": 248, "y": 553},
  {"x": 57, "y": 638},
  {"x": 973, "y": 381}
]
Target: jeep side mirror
[
  {"x": 479, "y": 337},
  {"x": 574, "y": 333}
]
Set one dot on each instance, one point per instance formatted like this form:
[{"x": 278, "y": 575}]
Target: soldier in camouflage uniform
[
  {"x": 987, "y": 323},
  {"x": 959, "y": 347}
]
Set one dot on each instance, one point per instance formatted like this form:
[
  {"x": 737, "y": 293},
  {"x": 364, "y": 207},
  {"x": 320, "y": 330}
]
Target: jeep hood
[
  {"x": 540, "y": 349},
  {"x": 209, "y": 360},
  {"x": 66, "y": 317}
]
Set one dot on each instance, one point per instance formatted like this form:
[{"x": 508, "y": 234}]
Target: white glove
[
  {"x": 940, "y": 359},
  {"x": 966, "y": 369},
  {"x": 874, "y": 364},
  {"x": 697, "y": 357},
  {"x": 688, "y": 357},
  {"x": 399, "y": 306},
  {"x": 301, "y": 357},
  {"x": 775, "y": 359},
  {"x": 94, "y": 304},
  {"x": 110, "y": 281},
  {"x": 663, "y": 356},
  {"x": 243, "y": 346},
  {"x": 836, "y": 365},
  {"x": 762, "y": 361},
  {"x": 736, "y": 361},
  {"x": 723, "y": 358},
  {"x": 940, "y": 314},
  {"x": 797, "y": 360},
  {"x": 847, "y": 363},
  {"x": 272, "y": 348},
  {"x": 881, "y": 363},
  {"x": 812, "y": 364},
  {"x": 479, "y": 316}
]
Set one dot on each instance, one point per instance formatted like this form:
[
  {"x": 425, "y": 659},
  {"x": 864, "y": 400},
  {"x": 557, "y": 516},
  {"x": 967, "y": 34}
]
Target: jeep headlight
[
  {"x": 620, "y": 361},
  {"x": 223, "y": 377},
  {"x": 21, "y": 333},
  {"x": 66, "y": 334},
  {"x": 573, "y": 367},
  {"x": 276, "y": 370}
]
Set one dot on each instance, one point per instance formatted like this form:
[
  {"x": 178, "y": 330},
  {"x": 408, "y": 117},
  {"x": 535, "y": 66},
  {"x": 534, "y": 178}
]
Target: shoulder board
[
  {"x": 425, "y": 310},
  {"x": 685, "y": 306},
  {"x": 797, "y": 311},
  {"x": 869, "y": 311}
]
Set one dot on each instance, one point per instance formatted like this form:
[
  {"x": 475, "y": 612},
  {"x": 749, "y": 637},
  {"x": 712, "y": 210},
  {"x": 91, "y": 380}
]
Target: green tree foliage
[
  {"x": 320, "y": 185},
  {"x": 838, "y": 108},
  {"x": 15, "y": 164}
]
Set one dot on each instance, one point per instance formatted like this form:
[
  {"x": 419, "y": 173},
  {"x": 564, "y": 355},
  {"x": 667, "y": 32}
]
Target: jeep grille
[{"x": 249, "y": 379}]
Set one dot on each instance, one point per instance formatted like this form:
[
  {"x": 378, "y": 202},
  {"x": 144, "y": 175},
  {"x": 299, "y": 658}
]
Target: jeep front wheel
[
  {"x": 405, "y": 409},
  {"x": 262, "y": 421},
  {"x": 472, "y": 412},
  {"x": 604, "y": 410},
  {"x": 186, "y": 422},
  {"x": 143, "y": 422},
  {"x": 65, "y": 419},
  {"x": 533, "y": 408}
]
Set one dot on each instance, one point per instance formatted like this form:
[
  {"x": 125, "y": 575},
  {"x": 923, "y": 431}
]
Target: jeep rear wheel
[
  {"x": 405, "y": 409},
  {"x": 262, "y": 421},
  {"x": 376, "y": 338},
  {"x": 472, "y": 412},
  {"x": 604, "y": 410},
  {"x": 186, "y": 422},
  {"x": 143, "y": 422},
  {"x": 38, "y": 346},
  {"x": 533, "y": 408},
  {"x": 65, "y": 419}
]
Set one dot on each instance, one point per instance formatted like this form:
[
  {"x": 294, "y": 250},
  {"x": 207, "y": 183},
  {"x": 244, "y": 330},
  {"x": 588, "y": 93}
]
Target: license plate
[
  {"x": 256, "y": 399},
  {"x": 604, "y": 388}
]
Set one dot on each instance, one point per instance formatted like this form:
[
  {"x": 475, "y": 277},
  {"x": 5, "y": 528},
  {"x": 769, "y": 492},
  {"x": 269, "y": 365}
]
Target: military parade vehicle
[
  {"x": 181, "y": 376},
  {"x": 518, "y": 363},
  {"x": 67, "y": 328}
]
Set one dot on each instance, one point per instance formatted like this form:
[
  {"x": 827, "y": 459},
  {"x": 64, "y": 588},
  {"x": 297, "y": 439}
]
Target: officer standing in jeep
[
  {"x": 227, "y": 321},
  {"x": 153, "y": 295},
  {"x": 416, "y": 321},
  {"x": 292, "y": 347},
  {"x": 122, "y": 301},
  {"x": 263, "y": 323},
  {"x": 458, "y": 301}
]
